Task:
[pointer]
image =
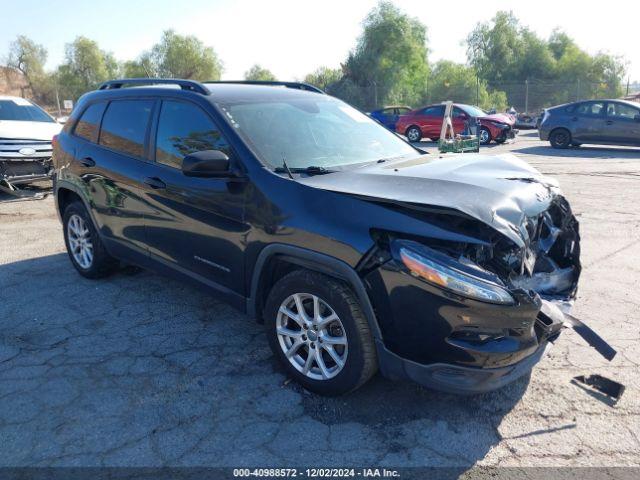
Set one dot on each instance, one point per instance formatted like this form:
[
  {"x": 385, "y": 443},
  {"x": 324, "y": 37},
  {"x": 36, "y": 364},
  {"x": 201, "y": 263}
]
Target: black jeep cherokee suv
[{"x": 357, "y": 250}]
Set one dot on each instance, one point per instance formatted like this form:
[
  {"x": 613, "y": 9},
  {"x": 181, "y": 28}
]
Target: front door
[
  {"x": 622, "y": 124},
  {"x": 196, "y": 225}
]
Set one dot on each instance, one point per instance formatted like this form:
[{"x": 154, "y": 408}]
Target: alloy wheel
[
  {"x": 413, "y": 135},
  {"x": 484, "y": 136},
  {"x": 80, "y": 242},
  {"x": 311, "y": 336}
]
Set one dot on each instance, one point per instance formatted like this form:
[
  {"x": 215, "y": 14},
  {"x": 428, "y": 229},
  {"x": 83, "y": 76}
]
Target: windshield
[
  {"x": 473, "y": 111},
  {"x": 22, "y": 110},
  {"x": 319, "y": 132}
]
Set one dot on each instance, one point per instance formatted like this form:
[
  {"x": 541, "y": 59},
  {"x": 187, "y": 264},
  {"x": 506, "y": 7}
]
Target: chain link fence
[{"x": 526, "y": 96}]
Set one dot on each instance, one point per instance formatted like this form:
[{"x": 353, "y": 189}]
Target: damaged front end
[
  {"x": 22, "y": 162},
  {"x": 477, "y": 315}
]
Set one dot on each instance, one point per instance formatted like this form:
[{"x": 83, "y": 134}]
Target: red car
[{"x": 427, "y": 122}]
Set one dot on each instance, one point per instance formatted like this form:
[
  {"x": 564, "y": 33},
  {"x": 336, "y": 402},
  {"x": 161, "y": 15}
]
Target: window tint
[
  {"x": 621, "y": 111},
  {"x": 458, "y": 112},
  {"x": 124, "y": 126},
  {"x": 87, "y": 126},
  {"x": 590, "y": 109},
  {"x": 403, "y": 110},
  {"x": 435, "y": 111},
  {"x": 183, "y": 129}
]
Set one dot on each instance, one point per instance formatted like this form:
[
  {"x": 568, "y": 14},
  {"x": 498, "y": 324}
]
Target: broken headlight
[{"x": 436, "y": 268}]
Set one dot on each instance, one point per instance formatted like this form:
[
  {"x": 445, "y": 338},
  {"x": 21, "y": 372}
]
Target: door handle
[
  {"x": 574, "y": 119},
  {"x": 155, "y": 183},
  {"x": 609, "y": 122},
  {"x": 88, "y": 162}
]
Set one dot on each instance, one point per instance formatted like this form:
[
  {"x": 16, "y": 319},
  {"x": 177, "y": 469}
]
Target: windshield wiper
[{"x": 311, "y": 170}]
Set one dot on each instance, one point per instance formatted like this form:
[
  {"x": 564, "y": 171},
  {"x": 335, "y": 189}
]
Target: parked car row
[{"x": 426, "y": 122}]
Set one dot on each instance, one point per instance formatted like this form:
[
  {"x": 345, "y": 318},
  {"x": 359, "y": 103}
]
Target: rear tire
[
  {"x": 344, "y": 345},
  {"x": 413, "y": 134},
  {"x": 434, "y": 139},
  {"x": 84, "y": 246},
  {"x": 560, "y": 138}
]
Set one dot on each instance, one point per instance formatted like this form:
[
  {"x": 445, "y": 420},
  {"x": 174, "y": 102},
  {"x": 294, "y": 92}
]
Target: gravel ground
[{"x": 140, "y": 370}]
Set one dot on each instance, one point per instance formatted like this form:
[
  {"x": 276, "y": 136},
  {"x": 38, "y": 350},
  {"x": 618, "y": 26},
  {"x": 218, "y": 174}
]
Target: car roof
[{"x": 10, "y": 97}]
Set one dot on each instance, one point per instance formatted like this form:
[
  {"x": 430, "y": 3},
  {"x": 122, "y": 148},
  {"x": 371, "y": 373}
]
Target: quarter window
[
  {"x": 87, "y": 126},
  {"x": 183, "y": 129},
  {"x": 125, "y": 125}
]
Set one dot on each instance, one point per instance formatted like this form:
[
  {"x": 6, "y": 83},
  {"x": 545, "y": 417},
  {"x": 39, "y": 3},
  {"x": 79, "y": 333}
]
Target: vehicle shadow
[
  {"x": 137, "y": 360},
  {"x": 582, "y": 151}
]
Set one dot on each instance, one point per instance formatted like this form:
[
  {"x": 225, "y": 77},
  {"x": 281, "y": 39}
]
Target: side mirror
[
  {"x": 207, "y": 163},
  {"x": 637, "y": 117}
]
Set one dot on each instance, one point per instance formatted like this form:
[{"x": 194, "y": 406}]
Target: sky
[{"x": 293, "y": 38}]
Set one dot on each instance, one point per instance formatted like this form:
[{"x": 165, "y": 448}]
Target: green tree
[
  {"x": 177, "y": 56},
  {"x": 257, "y": 72},
  {"x": 27, "y": 57},
  {"x": 495, "y": 48},
  {"x": 324, "y": 77},
  {"x": 84, "y": 68},
  {"x": 460, "y": 83},
  {"x": 389, "y": 63},
  {"x": 506, "y": 54}
]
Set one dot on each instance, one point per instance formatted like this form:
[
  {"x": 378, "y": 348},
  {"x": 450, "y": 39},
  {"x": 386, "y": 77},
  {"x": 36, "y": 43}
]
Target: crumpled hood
[
  {"x": 29, "y": 130},
  {"x": 500, "y": 117},
  {"x": 499, "y": 190}
]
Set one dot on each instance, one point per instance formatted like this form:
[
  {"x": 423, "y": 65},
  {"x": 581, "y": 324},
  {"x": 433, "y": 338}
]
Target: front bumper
[
  {"x": 456, "y": 379},
  {"x": 24, "y": 161}
]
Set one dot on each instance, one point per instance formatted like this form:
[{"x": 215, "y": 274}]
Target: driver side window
[{"x": 184, "y": 128}]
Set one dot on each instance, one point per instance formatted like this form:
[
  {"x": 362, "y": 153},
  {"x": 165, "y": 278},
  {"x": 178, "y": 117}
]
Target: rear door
[
  {"x": 587, "y": 121},
  {"x": 109, "y": 163},
  {"x": 622, "y": 125},
  {"x": 196, "y": 225},
  {"x": 431, "y": 121}
]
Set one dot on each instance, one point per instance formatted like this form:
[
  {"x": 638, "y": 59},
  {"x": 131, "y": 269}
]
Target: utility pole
[
  {"x": 526, "y": 95},
  {"x": 477, "y": 90},
  {"x": 627, "y": 87}
]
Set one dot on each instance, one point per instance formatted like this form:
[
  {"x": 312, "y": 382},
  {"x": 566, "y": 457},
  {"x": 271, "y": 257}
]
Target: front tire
[
  {"x": 414, "y": 134},
  {"x": 485, "y": 136},
  {"x": 84, "y": 246},
  {"x": 560, "y": 138},
  {"x": 317, "y": 329}
]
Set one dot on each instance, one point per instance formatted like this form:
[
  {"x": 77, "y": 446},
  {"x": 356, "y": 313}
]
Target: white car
[{"x": 26, "y": 132}]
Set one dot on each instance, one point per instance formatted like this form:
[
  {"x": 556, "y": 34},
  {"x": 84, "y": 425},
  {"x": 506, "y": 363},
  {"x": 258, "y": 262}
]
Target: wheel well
[
  {"x": 65, "y": 197},
  {"x": 275, "y": 268},
  {"x": 559, "y": 128},
  {"x": 412, "y": 126}
]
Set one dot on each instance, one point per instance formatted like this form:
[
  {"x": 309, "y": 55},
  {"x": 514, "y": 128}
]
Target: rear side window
[
  {"x": 125, "y": 125},
  {"x": 184, "y": 128},
  {"x": 590, "y": 109},
  {"x": 435, "y": 111},
  {"x": 87, "y": 126}
]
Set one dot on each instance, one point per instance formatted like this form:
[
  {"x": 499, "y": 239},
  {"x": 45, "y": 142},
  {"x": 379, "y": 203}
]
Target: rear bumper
[{"x": 457, "y": 379}]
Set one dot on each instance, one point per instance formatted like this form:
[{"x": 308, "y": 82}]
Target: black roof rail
[
  {"x": 190, "y": 85},
  {"x": 275, "y": 83}
]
